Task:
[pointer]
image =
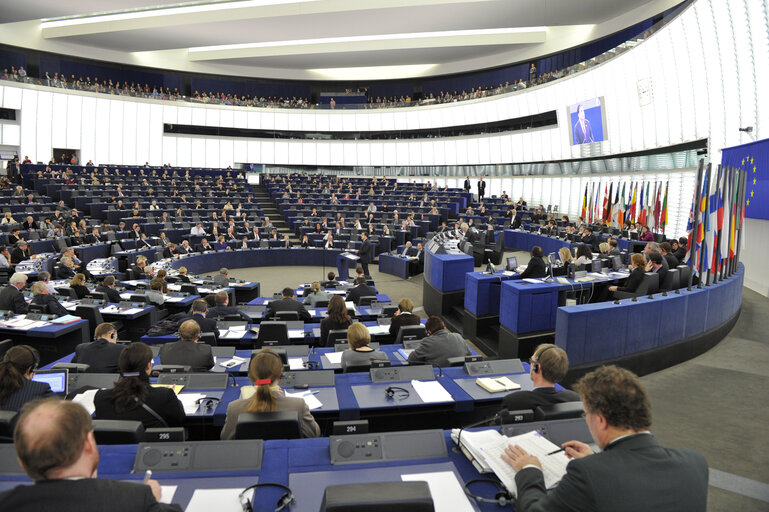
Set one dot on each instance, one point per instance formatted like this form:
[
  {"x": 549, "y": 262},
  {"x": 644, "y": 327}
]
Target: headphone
[
  {"x": 502, "y": 498},
  {"x": 394, "y": 392},
  {"x": 537, "y": 367},
  {"x": 311, "y": 364},
  {"x": 208, "y": 402},
  {"x": 35, "y": 357},
  {"x": 284, "y": 501}
]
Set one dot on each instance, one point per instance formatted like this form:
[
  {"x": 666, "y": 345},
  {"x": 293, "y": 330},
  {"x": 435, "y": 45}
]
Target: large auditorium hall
[{"x": 423, "y": 255}]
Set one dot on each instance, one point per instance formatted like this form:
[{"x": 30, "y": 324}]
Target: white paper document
[
  {"x": 445, "y": 489},
  {"x": 190, "y": 401},
  {"x": 379, "y": 329},
  {"x": 221, "y": 500},
  {"x": 296, "y": 333},
  {"x": 309, "y": 398},
  {"x": 167, "y": 494},
  {"x": 86, "y": 400},
  {"x": 231, "y": 334},
  {"x": 431, "y": 391},
  {"x": 532, "y": 280},
  {"x": 334, "y": 357},
  {"x": 295, "y": 363},
  {"x": 232, "y": 362}
]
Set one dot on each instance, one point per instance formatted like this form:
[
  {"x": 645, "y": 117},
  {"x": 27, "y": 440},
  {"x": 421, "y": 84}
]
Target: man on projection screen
[{"x": 583, "y": 133}]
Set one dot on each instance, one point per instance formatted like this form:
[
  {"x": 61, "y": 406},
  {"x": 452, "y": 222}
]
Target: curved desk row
[{"x": 212, "y": 261}]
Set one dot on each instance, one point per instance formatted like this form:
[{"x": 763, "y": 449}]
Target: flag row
[{"x": 619, "y": 205}]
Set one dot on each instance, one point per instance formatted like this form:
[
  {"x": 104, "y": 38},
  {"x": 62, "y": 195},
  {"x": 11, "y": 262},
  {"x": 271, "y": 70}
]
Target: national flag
[
  {"x": 664, "y": 214},
  {"x": 608, "y": 204},
  {"x": 701, "y": 262},
  {"x": 584, "y": 202},
  {"x": 717, "y": 204},
  {"x": 725, "y": 215},
  {"x": 633, "y": 203},
  {"x": 597, "y": 202},
  {"x": 621, "y": 208},
  {"x": 657, "y": 206},
  {"x": 642, "y": 210}
]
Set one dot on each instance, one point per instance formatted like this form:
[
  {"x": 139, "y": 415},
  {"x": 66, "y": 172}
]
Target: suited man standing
[
  {"x": 633, "y": 472},
  {"x": 11, "y": 298},
  {"x": 583, "y": 132},
  {"x": 103, "y": 353},
  {"x": 361, "y": 290},
  {"x": 467, "y": 186},
  {"x": 56, "y": 447},
  {"x": 439, "y": 346},
  {"x": 287, "y": 303},
  {"x": 187, "y": 351},
  {"x": 364, "y": 252},
  {"x": 481, "y": 189}
]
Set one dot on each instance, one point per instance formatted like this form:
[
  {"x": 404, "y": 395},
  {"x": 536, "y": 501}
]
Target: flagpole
[
  {"x": 743, "y": 187},
  {"x": 696, "y": 214},
  {"x": 704, "y": 245},
  {"x": 707, "y": 259},
  {"x": 717, "y": 243},
  {"x": 732, "y": 208}
]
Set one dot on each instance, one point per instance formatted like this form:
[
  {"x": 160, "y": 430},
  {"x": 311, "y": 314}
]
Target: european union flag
[{"x": 753, "y": 158}]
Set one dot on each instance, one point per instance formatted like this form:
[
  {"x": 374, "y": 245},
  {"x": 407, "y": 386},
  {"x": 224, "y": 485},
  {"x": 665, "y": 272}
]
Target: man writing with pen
[
  {"x": 55, "y": 445},
  {"x": 632, "y": 472}
]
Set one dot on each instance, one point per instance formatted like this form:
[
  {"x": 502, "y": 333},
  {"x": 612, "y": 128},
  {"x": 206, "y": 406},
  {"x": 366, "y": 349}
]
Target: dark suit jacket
[
  {"x": 581, "y": 135},
  {"x": 672, "y": 261},
  {"x": 162, "y": 400},
  {"x": 85, "y": 495},
  {"x": 101, "y": 355},
  {"x": 197, "y": 355},
  {"x": 481, "y": 188},
  {"x": 592, "y": 241},
  {"x": 438, "y": 348},
  {"x": 54, "y": 307},
  {"x": 167, "y": 252},
  {"x": 91, "y": 239},
  {"x": 80, "y": 290},
  {"x": 402, "y": 319},
  {"x": 206, "y": 324},
  {"x": 535, "y": 268},
  {"x": 12, "y": 300},
  {"x": 327, "y": 325},
  {"x": 220, "y": 311},
  {"x": 64, "y": 272},
  {"x": 365, "y": 251},
  {"x": 112, "y": 294},
  {"x": 26, "y": 393},
  {"x": 636, "y": 276},
  {"x": 287, "y": 304},
  {"x": 362, "y": 290},
  {"x": 29, "y": 226},
  {"x": 17, "y": 255},
  {"x": 518, "y": 400},
  {"x": 634, "y": 474},
  {"x": 680, "y": 253}
]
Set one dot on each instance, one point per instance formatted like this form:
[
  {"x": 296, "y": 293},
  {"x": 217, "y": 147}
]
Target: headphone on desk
[
  {"x": 208, "y": 402},
  {"x": 311, "y": 365},
  {"x": 537, "y": 367},
  {"x": 394, "y": 392},
  {"x": 502, "y": 498},
  {"x": 284, "y": 501}
]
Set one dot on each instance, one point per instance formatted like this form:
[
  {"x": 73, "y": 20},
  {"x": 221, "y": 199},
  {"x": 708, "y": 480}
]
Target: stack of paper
[
  {"x": 334, "y": 357},
  {"x": 221, "y": 500},
  {"x": 231, "y": 334},
  {"x": 379, "y": 329},
  {"x": 431, "y": 391},
  {"x": 190, "y": 401},
  {"x": 295, "y": 363},
  {"x": 86, "y": 400},
  {"x": 66, "y": 319},
  {"x": 233, "y": 362},
  {"x": 445, "y": 489}
]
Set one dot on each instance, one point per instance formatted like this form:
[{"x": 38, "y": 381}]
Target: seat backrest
[
  {"x": 366, "y": 300},
  {"x": 5, "y": 345},
  {"x": 268, "y": 425},
  {"x": 99, "y": 295},
  {"x": 684, "y": 274},
  {"x": 649, "y": 285},
  {"x": 273, "y": 333},
  {"x": 7, "y": 422},
  {"x": 287, "y": 315},
  {"x": 321, "y": 303},
  {"x": 91, "y": 313},
  {"x": 336, "y": 336},
  {"x": 208, "y": 338},
  {"x": 189, "y": 288},
  {"x": 38, "y": 308},
  {"x": 118, "y": 431},
  {"x": 67, "y": 291},
  {"x": 560, "y": 411},
  {"x": 357, "y": 368},
  {"x": 410, "y": 332},
  {"x": 671, "y": 280},
  {"x": 135, "y": 297}
]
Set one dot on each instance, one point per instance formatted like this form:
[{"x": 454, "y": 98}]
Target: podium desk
[
  {"x": 482, "y": 292},
  {"x": 344, "y": 262},
  {"x": 52, "y": 341}
]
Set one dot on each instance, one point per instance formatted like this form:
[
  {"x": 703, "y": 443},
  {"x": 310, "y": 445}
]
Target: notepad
[
  {"x": 379, "y": 329},
  {"x": 167, "y": 493},
  {"x": 190, "y": 401},
  {"x": 405, "y": 352},
  {"x": 232, "y": 362},
  {"x": 496, "y": 384},
  {"x": 66, "y": 319},
  {"x": 295, "y": 363},
  {"x": 309, "y": 398},
  {"x": 231, "y": 334}
]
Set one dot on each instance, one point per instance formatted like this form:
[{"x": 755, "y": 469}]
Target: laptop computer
[{"x": 57, "y": 379}]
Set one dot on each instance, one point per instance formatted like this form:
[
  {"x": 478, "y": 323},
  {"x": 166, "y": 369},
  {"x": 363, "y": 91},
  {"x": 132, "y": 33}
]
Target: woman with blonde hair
[
  {"x": 265, "y": 372},
  {"x": 78, "y": 284},
  {"x": 360, "y": 352},
  {"x": 317, "y": 294}
]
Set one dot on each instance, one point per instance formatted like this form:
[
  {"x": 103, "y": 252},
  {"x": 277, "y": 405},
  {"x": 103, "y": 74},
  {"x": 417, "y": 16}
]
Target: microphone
[{"x": 497, "y": 418}]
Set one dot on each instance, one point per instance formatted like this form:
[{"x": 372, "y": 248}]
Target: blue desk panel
[
  {"x": 212, "y": 261},
  {"x": 446, "y": 272},
  {"x": 482, "y": 292},
  {"x": 394, "y": 265},
  {"x": 528, "y": 307}
]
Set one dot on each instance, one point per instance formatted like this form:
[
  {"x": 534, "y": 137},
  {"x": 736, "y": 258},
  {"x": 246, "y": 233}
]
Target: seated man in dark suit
[
  {"x": 170, "y": 250},
  {"x": 361, "y": 290},
  {"x": 679, "y": 248},
  {"x": 43, "y": 298},
  {"x": 107, "y": 287},
  {"x": 439, "y": 346},
  {"x": 590, "y": 239},
  {"x": 331, "y": 281},
  {"x": 101, "y": 354},
  {"x": 205, "y": 246},
  {"x": 94, "y": 237},
  {"x": 549, "y": 365},
  {"x": 287, "y": 303},
  {"x": 666, "y": 250},
  {"x": 198, "y": 313},
  {"x": 56, "y": 447},
  {"x": 11, "y": 298},
  {"x": 187, "y": 351},
  {"x": 20, "y": 253},
  {"x": 632, "y": 472},
  {"x": 30, "y": 224},
  {"x": 65, "y": 269},
  {"x": 222, "y": 307}
]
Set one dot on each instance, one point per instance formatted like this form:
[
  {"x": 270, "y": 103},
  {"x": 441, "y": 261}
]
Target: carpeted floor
[{"x": 715, "y": 403}]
